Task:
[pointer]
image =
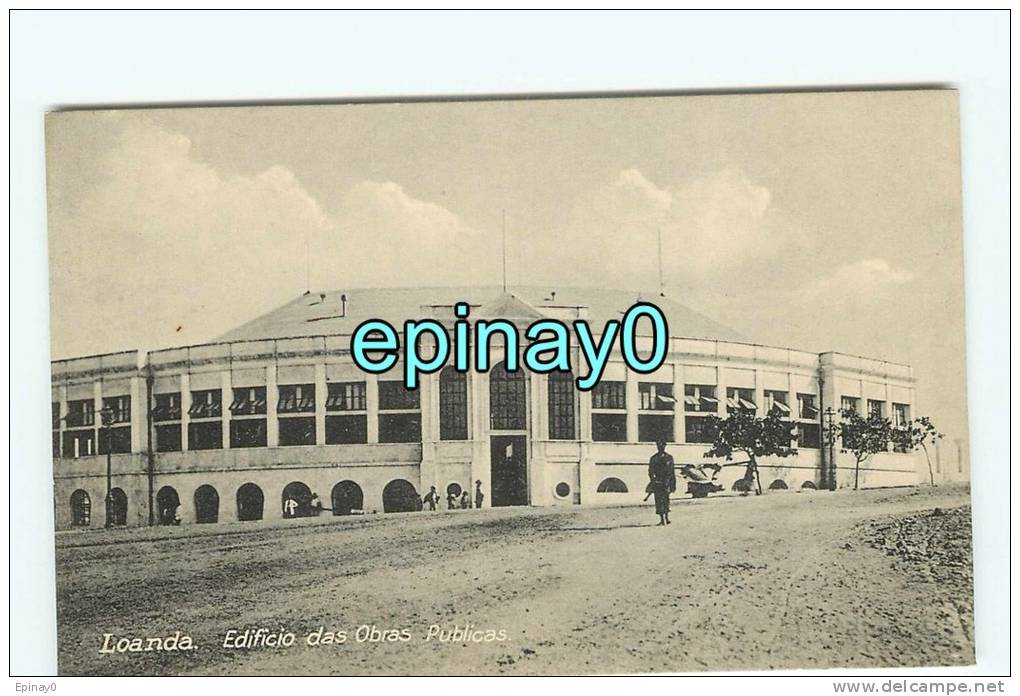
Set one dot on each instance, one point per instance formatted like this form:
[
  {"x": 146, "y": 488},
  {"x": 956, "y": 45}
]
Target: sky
[{"x": 814, "y": 221}]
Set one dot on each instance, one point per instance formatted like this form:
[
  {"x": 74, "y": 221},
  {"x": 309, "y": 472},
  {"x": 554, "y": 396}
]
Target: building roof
[{"x": 325, "y": 313}]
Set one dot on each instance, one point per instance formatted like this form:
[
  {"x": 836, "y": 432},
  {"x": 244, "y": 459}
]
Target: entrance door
[{"x": 509, "y": 470}]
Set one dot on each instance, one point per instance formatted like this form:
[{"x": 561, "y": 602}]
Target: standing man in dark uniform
[{"x": 661, "y": 480}]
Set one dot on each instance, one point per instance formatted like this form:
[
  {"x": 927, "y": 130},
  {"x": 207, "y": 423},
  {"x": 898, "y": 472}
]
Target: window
[
  {"x": 611, "y": 485},
  {"x": 346, "y": 430},
  {"x": 345, "y": 396},
  {"x": 609, "y": 427},
  {"x": 115, "y": 440},
  {"x": 297, "y": 431},
  {"x": 248, "y": 432},
  {"x": 655, "y": 396},
  {"x": 876, "y": 408},
  {"x": 778, "y": 402},
  {"x": 807, "y": 406},
  {"x": 655, "y": 428},
  {"x": 809, "y": 435},
  {"x": 205, "y": 435},
  {"x": 453, "y": 419},
  {"x": 740, "y": 400},
  {"x": 296, "y": 398},
  {"x": 901, "y": 420},
  {"x": 168, "y": 438},
  {"x": 850, "y": 403},
  {"x": 404, "y": 423},
  {"x": 394, "y": 396},
  {"x": 168, "y": 407},
  {"x": 119, "y": 408},
  {"x": 508, "y": 408},
  {"x": 698, "y": 429},
  {"x": 81, "y": 413},
  {"x": 609, "y": 395},
  {"x": 248, "y": 401},
  {"x": 400, "y": 427},
  {"x": 79, "y": 443},
  {"x": 207, "y": 403},
  {"x": 562, "y": 405},
  {"x": 901, "y": 415},
  {"x": 700, "y": 398}
]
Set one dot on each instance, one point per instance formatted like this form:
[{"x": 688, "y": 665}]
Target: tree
[
  {"x": 755, "y": 437},
  {"x": 919, "y": 433},
  {"x": 863, "y": 437}
]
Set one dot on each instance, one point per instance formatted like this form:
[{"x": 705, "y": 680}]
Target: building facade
[{"x": 277, "y": 411}]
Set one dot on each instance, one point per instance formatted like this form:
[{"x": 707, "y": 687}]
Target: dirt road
[{"x": 787, "y": 580}]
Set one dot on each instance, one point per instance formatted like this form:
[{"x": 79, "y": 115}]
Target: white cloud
[
  {"x": 712, "y": 227},
  {"x": 382, "y": 235},
  {"x": 866, "y": 276},
  {"x": 167, "y": 250},
  {"x": 161, "y": 245}
]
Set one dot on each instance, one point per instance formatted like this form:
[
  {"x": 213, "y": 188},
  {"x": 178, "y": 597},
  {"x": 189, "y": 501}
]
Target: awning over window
[
  {"x": 749, "y": 405},
  {"x": 780, "y": 406},
  {"x": 691, "y": 400}
]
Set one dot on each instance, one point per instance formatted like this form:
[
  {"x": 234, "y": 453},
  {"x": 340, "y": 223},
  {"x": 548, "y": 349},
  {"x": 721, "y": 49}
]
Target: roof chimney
[{"x": 343, "y": 305}]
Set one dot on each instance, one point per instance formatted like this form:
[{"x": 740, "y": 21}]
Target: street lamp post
[
  {"x": 106, "y": 414},
  {"x": 828, "y": 418}
]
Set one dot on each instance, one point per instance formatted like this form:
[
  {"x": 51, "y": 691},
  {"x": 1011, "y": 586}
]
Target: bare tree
[{"x": 918, "y": 434}]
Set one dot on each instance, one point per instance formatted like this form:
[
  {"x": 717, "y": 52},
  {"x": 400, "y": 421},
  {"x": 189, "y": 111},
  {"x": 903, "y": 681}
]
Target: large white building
[{"x": 277, "y": 409}]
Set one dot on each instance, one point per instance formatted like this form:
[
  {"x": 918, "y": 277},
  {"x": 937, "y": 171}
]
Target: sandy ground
[{"x": 782, "y": 581}]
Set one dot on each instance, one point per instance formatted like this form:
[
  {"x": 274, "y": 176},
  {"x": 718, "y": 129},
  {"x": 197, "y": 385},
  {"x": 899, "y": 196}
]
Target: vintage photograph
[{"x": 773, "y": 477}]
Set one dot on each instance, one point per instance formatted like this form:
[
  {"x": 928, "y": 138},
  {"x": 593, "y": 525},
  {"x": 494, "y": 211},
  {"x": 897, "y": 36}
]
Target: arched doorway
[
  {"x": 249, "y": 502},
  {"x": 118, "y": 507},
  {"x": 207, "y": 504},
  {"x": 400, "y": 496},
  {"x": 301, "y": 495},
  {"x": 81, "y": 509},
  {"x": 167, "y": 502},
  {"x": 347, "y": 496}
]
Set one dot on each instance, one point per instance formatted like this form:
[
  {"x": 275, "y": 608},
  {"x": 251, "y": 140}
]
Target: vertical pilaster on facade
[
  {"x": 481, "y": 464},
  {"x": 227, "y": 397},
  {"x": 272, "y": 397},
  {"x": 584, "y": 415},
  {"x": 720, "y": 392},
  {"x": 97, "y": 404},
  {"x": 372, "y": 407},
  {"x": 62, "y": 423},
  {"x": 185, "y": 408},
  {"x": 537, "y": 465},
  {"x": 321, "y": 392},
  {"x": 759, "y": 392},
  {"x": 679, "y": 430},
  {"x": 632, "y": 405},
  {"x": 139, "y": 413},
  {"x": 428, "y": 398}
]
